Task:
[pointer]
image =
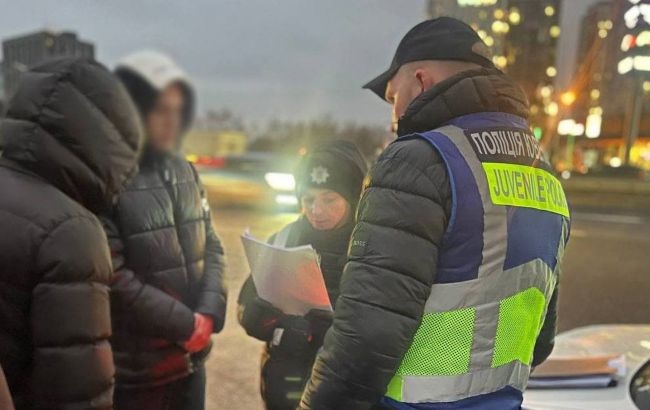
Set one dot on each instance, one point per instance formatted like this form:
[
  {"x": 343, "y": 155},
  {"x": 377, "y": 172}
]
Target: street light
[
  {"x": 546, "y": 91},
  {"x": 594, "y": 122},
  {"x": 551, "y": 71},
  {"x": 552, "y": 109},
  {"x": 570, "y": 127},
  {"x": 549, "y": 11},
  {"x": 568, "y": 98},
  {"x": 555, "y": 31},
  {"x": 514, "y": 16},
  {"x": 500, "y": 61},
  {"x": 615, "y": 162},
  {"x": 500, "y": 27},
  {"x": 636, "y": 63},
  {"x": 564, "y": 127}
]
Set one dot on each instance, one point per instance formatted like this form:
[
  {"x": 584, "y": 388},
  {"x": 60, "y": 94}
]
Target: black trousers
[
  {"x": 184, "y": 394},
  {"x": 283, "y": 380}
]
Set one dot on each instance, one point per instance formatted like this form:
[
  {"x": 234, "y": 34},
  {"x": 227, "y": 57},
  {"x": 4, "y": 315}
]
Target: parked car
[
  {"x": 255, "y": 179},
  {"x": 631, "y": 392}
]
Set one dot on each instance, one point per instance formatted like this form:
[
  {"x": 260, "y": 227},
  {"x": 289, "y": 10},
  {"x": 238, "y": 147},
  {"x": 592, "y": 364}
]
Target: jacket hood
[
  {"x": 145, "y": 74},
  {"x": 469, "y": 92},
  {"x": 73, "y": 124}
]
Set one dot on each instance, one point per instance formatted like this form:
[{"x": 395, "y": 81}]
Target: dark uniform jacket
[
  {"x": 69, "y": 142},
  {"x": 401, "y": 221},
  {"x": 169, "y": 264},
  {"x": 286, "y": 367}
]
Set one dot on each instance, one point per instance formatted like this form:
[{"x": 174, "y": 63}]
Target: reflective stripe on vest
[
  {"x": 477, "y": 334},
  {"x": 282, "y": 237}
]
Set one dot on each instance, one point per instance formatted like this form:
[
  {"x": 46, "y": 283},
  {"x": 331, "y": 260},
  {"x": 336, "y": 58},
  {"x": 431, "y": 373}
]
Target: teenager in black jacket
[
  {"x": 329, "y": 182},
  {"x": 69, "y": 141},
  {"x": 168, "y": 293}
]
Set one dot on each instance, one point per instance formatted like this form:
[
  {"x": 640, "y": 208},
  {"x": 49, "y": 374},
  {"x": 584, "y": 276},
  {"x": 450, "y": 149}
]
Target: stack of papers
[
  {"x": 578, "y": 372},
  {"x": 288, "y": 278}
]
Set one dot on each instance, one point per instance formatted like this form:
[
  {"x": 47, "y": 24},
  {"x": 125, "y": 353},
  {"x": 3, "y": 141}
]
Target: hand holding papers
[{"x": 288, "y": 278}]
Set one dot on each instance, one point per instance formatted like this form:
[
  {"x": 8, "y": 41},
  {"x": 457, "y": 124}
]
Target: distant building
[
  {"x": 598, "y": 54},
  {"x": 21, "y": 53},
  {"x": 605, "y": 93},
  {"x": 523, "y": 36}
]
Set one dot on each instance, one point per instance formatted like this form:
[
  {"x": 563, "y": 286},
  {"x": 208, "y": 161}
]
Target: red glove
[{"x": 201, "y": 337}]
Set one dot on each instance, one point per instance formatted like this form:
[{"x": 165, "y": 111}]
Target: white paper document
[{"x": 288, "y": 278}]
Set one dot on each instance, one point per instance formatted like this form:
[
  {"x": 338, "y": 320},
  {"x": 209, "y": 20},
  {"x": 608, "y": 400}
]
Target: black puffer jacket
[
  {"x": 169, "y": 265},
  {"x": 69, "y": 142},
  {"x": 173, "y": 267},
  {"x": 401, "y": 220}
]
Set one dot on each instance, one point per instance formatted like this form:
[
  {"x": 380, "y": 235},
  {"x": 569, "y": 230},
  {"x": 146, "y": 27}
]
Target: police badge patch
[{"x": 319, "y": 175}]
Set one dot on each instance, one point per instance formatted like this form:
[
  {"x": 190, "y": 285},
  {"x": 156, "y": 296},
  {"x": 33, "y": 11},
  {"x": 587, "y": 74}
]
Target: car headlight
[
  {"x": 287, "y": 200},
  {"x": 280, "y": 181}
]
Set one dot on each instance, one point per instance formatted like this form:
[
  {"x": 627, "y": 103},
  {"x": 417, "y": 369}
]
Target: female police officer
[{"x": 329, "y": 182}]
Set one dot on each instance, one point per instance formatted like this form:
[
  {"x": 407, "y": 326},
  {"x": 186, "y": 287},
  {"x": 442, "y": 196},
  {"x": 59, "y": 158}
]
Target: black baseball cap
[{"x": 443, "y": 38}]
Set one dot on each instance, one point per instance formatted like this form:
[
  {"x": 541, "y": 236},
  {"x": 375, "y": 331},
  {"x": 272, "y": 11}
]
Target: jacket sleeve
[
  {"x": 258, "y": 317},
  {"x": 213, "y": 296},
  {"x": 148, "y": 310},
  {"x": 391, "y": 266},
  {"x": 70, "y": 318}
]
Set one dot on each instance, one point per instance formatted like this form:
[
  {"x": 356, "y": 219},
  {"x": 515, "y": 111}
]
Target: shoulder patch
[{"x": 358, "y": 243}]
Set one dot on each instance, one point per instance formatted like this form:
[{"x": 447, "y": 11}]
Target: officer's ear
[{"x": 425, "y": 79}]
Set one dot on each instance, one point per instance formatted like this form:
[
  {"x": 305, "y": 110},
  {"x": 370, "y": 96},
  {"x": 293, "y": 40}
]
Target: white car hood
[{"x": 631, "y": 340}]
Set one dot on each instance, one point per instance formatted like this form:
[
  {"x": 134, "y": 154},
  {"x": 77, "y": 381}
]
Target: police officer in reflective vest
[{"x": 449, "y": 295}]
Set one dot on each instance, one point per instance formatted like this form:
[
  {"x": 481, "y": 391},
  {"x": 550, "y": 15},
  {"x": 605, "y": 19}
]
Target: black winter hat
[
  {"x": 443, "y": 38},
  {"x": 337, "y": 165}
]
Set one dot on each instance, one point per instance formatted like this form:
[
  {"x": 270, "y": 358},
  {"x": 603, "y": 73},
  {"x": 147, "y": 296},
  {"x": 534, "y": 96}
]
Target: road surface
[
  {"x": 606, "y": 276},
  {"x": 606, "y": 279}
]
